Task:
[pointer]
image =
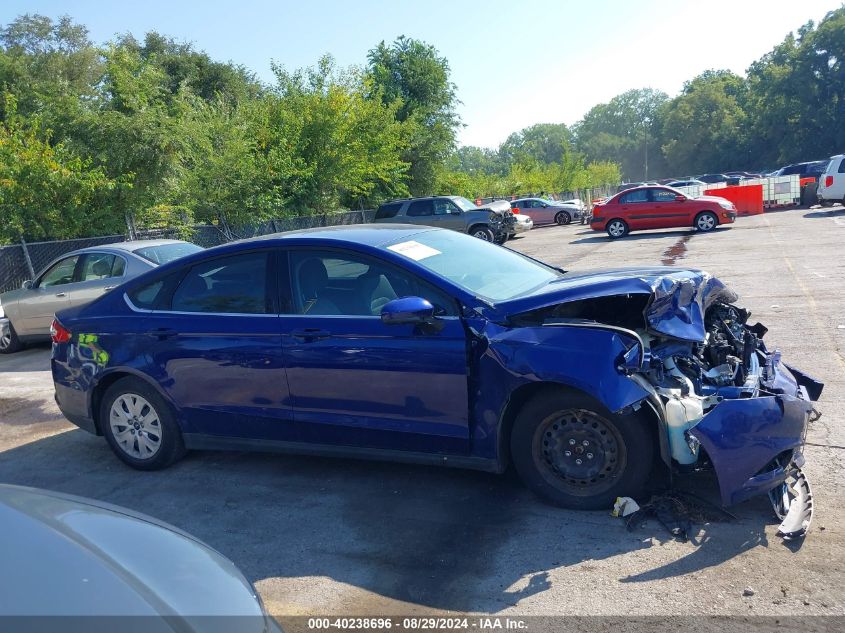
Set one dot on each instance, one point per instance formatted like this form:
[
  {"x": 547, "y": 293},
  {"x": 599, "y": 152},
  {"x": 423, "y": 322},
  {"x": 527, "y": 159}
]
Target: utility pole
[{"x": 645, "y": 131}]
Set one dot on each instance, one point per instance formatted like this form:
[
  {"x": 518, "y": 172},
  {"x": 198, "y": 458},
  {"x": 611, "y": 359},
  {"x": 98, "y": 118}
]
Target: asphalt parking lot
[{"x": 331, "y": 536}]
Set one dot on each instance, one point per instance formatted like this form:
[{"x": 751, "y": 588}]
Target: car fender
[{"x": 506, "y": 360}]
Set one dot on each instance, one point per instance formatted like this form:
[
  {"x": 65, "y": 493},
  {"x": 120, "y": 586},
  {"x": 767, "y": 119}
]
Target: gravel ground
[{"x": 331, "y": 536}]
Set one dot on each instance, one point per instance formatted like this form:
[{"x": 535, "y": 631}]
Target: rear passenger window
[
  {"x": 232, "y": 285},
  {"x": 146, "y": 297},
  {"x": 421, "y": 208},
  {"x": 388, "y": 210},
  {"x": 639, "y": 195},
  {"x": 842, "y": 166}
]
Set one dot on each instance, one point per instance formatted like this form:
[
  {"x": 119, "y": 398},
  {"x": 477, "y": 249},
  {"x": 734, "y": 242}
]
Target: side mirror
[
  {"x": 680, "y": 198},
  {"x": 27, "y": 284},
  {"x": 407, "y": 310}
]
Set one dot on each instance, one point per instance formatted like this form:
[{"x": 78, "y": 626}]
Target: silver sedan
[
  {"x": 77, "y": 278},
  {"x": 543, "y": 211}
]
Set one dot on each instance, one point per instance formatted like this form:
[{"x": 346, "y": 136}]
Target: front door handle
[
  {"x": 107, "y": 288},
  {"x": 163, "y": 333},
  {"x": 310, "y": 334},
  {"x": 61, "y": 294}
]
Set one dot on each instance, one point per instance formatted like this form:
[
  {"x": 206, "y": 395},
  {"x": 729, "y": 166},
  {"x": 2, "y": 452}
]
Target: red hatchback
[{"x": 659, "y": 208}]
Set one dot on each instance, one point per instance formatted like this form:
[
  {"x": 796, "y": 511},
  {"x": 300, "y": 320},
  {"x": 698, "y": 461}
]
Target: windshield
[
  {"x": 464, "y": 204},
  {"x": 164, "y": 253},
  {"x": 487, "y": 271}
]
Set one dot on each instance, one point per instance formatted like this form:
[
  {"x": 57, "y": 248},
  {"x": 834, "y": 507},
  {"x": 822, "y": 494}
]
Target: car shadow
[
  {"x": 439, "y": 538},
  {"x": 826, "y": 213},
  {"x": 598, "y": 237},
  {"x": 31, "y": 358}
]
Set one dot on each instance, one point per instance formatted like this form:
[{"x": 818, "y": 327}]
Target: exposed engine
[{"x": 691, "y": 378}]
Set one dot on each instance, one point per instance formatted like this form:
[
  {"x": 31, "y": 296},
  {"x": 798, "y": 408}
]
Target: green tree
[
  {"x": 45, "y": 190},
  {"x": 544, "y": 142},
  {"x": 705, "y": 128},
  {"x": 625, "y": 130},
  {"x": 797, "y": 95},
  {"x": 411, "y": 76}
]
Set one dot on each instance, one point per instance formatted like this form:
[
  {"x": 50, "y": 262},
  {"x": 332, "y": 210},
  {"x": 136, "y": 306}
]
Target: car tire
[
  {"x": 563, "y": 218},
  {"x": 617, "y": 228},
  {"x": 616, "y": 452},
  {"x": 706, "y": 221},
  {"x": 156, "y": 440},
  {"x": 483, "y": 233},
  {"x": 10, "y": 343}
]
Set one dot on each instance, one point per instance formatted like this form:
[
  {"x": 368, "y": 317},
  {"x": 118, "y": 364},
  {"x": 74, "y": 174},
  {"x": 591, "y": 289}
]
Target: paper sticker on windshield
[{"x": 414, "y": 250}]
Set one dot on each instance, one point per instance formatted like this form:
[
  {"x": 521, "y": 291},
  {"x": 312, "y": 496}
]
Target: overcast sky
[{"x": 515, "y": 62}]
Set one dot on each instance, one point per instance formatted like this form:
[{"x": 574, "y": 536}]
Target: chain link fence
[{"x": 23, "y": 261}]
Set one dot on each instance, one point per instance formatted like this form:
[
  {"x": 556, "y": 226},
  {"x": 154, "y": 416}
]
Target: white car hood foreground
[{"x": 69, "y": 557}]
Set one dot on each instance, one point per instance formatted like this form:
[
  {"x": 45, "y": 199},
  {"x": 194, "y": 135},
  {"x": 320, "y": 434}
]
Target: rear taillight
[
  {"x": 828, "y": 181},
  {"x": 515, "y": 211},
  {"x": 58, "y": 332}
]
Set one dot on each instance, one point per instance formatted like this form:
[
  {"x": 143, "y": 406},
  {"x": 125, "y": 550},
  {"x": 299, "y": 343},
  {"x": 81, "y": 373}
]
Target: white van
[{"x": 832, "y": 181}]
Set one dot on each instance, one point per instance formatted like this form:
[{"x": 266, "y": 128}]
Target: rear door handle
[
  {"x": 163, "y": 333},
  {"x": 61, "y": 294},
  {"x": 107, "y": 288},
  {"x": 310, "y": 334}
]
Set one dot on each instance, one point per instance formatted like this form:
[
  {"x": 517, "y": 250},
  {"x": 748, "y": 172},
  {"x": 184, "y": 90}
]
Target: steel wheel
[
  {"x": 136, "y": 426},
  {"x": 579, "y": 452},
  {"x": 706, "y": 222},
  {"x": 616, "y": 229}
]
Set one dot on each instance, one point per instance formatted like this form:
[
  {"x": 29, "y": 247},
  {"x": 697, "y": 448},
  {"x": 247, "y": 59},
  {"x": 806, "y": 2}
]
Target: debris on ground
[
  {"x": 677, "y": 511},
  {"x": 624, "y": 506},
  {"x": 748, "y": 592}
]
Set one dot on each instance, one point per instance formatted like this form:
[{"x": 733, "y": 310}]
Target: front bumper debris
[{"x": 792, "y": 502}]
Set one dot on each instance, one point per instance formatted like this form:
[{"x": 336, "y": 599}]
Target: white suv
[{"x": 832, "y": 181}]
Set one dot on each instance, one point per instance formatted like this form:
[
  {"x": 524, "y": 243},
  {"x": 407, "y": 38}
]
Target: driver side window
[
  {"x": 662, "y": 195},
  {"x": 60, "y": 273},
  {"x": 443, "y": 207},
  {"x": 336, "y": 283}
]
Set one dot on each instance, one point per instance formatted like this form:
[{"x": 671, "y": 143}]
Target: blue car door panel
[
  {"x": 216, "y": 350},
  {"x": 355, "y": 380}
]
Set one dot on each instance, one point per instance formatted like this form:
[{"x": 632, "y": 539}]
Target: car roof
[
  {"x": 129, "y": 246},
  {"x": 367, "y": 234}
]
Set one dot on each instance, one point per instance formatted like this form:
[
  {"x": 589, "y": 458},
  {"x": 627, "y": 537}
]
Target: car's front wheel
[
  {"x": 9, "y": 341},
  {"x": 483, "y": 233},
  {"x": 706, "y": 221},
  {"x": 616, "y": 229},
  {"x": 563, "y": 218},
  {"x": 140, "y": 426},
  {"x": 573, "y": 452}
]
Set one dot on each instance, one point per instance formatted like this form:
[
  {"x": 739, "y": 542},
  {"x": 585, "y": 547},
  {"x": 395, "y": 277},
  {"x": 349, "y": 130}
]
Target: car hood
[
  {"x": 69, "y": 556},
  {"x": 715, "y": 199},
  {"x": 496, "y": 206},
  {"x": 679, "y": 297}
]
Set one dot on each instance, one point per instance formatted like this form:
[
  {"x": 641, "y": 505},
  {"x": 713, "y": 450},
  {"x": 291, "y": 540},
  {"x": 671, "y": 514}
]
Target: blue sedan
[{"x": 425, "y": 345}]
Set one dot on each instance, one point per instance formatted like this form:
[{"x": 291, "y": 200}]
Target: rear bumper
[{"x": 72, "y": 401}]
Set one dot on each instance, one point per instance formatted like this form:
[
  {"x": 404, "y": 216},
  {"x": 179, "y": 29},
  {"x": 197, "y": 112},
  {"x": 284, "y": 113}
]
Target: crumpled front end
[{"x": 721, "y": 396}]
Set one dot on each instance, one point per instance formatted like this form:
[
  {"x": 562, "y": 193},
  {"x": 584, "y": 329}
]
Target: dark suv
[{"x": 493, "y": 223}]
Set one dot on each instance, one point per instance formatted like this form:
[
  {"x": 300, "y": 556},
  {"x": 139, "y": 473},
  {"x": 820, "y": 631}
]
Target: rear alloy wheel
[
  {"x": 706, "y": 221},
  {"x": 139, "y": 425},
  {"x": 563, "y": 218},
  {"x": 616, "y": 229},
  {"x": 483, "y": 233},
  {"x": 9, "y": 341},
  {"x": 574, "y": 453}
]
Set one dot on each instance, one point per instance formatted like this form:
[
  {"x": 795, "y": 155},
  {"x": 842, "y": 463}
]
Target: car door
[
  {"x": 50, "y": 292},
  {"x": 421, "y": 212},
  {"x": 355, "y": 380},
  {"x": 635, "y": 208},
  {"x": 667, "y": 211},
  {"x": 541, "y": 212},
  {"x": 99, "y": 272},
  {"x": 447, "y": 215},
  {"x": 214, "y": 345}
]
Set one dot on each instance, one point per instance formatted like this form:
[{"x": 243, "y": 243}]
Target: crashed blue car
[{"x": 426, "y": 345}]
